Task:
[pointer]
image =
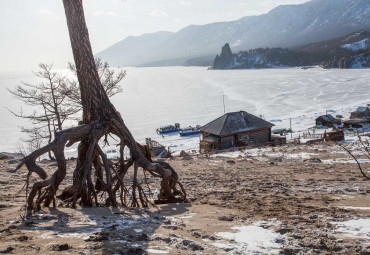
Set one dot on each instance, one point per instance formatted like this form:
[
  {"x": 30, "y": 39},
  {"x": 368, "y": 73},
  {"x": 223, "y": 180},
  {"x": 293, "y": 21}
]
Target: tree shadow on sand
[{"x": 101, "y": 230}]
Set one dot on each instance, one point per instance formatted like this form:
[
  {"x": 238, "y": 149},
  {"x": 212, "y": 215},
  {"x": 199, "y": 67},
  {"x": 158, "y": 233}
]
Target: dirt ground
[{"x": 265, "y": 201}]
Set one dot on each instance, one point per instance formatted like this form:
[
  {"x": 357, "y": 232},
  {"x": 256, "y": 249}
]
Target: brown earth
[{"x": 276, "y": 189}]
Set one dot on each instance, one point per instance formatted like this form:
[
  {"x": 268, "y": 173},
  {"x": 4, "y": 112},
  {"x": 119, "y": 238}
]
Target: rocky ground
[{"x": 287, "y": 200}]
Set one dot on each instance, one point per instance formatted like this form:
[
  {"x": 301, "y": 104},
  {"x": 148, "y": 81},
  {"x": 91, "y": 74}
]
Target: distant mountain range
[
  {"x": 286, "y": 26},
  {"x": 351, "y": 51}
]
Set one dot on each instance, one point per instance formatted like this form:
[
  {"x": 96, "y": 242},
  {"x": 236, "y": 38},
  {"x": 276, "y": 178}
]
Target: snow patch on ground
[
  {"x": 359, "y": 228},
  {"x": 303, "y": 155},
  {"x": 188, "y": 216},
  {"x": 156, "y": 251},
  {"x": 354, "y": 208},
  {"x": 252, "y": 239},
  {"x": 344, "y": 161},
  {"x": 232, "y": 154}
]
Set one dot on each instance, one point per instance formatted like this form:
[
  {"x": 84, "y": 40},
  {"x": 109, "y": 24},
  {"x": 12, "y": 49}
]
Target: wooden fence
[{"x": 312, "y": 136}]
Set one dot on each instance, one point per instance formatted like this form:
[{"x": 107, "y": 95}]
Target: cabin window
[{"x": 244, "y": 137}]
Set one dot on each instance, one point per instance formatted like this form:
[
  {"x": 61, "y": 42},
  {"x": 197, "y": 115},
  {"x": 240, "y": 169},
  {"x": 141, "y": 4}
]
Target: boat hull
[
  {"x": 189, "y": 133},
  {"x": 168, "y": 131}
]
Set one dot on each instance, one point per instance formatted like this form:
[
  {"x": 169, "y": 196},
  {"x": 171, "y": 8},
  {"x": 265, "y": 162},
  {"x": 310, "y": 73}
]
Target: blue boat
[
  {"x": 190, "y": 131},
  {"x": 168, "y": 129}
]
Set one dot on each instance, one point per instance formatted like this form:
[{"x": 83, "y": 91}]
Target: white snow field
[{"x": 153, "y": 97}]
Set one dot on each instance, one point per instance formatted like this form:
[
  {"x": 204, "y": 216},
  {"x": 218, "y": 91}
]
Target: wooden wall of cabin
[
  {"x": 261, "y": 136},
  {"x": 217, "y": 144},
  {"x": 227, "y": 142}
]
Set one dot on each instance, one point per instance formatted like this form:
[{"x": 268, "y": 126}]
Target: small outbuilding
[
  {"x": 235, "y": 129},
  {"x": 328, "y": 121},
  {"x": 361, "y": 112},
  {"x": 357, "y": 123}
]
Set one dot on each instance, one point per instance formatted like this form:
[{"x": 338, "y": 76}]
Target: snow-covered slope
[
  {"x": 284, "y": 26},
  {"x": 360, "y": 45},
  {"x": 336, "y": 43}
]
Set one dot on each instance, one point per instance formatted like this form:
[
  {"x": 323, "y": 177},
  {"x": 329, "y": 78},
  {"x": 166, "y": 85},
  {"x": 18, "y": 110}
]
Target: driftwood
[{"x": 100, "y": 119}]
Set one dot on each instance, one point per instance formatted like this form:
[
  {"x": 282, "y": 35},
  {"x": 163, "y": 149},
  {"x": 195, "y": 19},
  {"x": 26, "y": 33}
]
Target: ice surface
[{"x": 193, "y": 95}]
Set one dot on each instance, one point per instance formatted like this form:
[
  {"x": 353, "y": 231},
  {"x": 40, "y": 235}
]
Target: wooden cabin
[
  {"x": 357, "y": 123},
  {"x": 235, "y": 129},
  {"x": 327, "y": 120},
  {"x": 361, "y": 112}
]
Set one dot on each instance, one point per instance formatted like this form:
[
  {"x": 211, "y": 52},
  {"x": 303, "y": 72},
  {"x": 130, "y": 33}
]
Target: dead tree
[
  {"x": 364, "y": 147},
  {"x": 99, "y": 119},
  {"x": 58, "y": 98},
  {"x": 36, "y": 138},
  {"x": 47, "y": 97}
]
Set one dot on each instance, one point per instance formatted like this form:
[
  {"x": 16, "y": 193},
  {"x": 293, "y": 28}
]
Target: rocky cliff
[
  {"x": 351, "y": 51},
  {"x": 226, "y": 58},
  {"x": 260, "y": 58}
]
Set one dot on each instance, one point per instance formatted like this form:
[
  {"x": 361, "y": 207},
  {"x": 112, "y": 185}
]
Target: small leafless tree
[
  {"x": 58, "y": 99},
  {"x": 36, "y": 138},
  {"x": 52, "y": 108},
  {"x": 364, "y": 147}
]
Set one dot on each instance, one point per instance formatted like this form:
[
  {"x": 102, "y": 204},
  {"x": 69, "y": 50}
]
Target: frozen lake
[{"x": 153, "y": 97}]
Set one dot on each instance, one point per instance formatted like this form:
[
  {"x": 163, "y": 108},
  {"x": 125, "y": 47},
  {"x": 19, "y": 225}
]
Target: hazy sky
[{"x": 34, "y": 31}]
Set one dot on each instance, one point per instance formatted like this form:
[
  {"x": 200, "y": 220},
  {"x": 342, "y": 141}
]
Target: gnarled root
[{"x": 95, "y": 176}]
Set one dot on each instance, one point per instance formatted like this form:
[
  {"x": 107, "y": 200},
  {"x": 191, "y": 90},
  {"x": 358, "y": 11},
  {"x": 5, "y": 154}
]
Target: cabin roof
[
  {"x": 356, "y": 121},
  {"x": 235, "y": 122},
  {"x": 327, "y": 117},
  {"x": 362, "y": 109}
]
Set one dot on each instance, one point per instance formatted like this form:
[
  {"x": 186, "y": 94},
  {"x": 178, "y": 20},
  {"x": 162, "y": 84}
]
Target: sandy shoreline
[{"x": 267, "y": 201}]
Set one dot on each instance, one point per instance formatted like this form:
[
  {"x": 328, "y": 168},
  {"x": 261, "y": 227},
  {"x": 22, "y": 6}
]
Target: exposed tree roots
[{"x": 96, "y": 180}]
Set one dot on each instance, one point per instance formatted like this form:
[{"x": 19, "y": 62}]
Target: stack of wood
[{"x": 334, "y": 136}]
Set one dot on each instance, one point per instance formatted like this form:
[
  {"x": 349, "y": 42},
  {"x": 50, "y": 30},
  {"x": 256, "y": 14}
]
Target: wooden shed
[
  {"x": 357, "y": 123},
  {"x": 361, "y": 112},
  {"x": 235, "y": 129},
  {"x": 334, "y": 136},
  {"x": 327, "y": 120}
]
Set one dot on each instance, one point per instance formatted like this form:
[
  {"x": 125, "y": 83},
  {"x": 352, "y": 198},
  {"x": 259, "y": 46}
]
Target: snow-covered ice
[{"x": 193, "y": 95}]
